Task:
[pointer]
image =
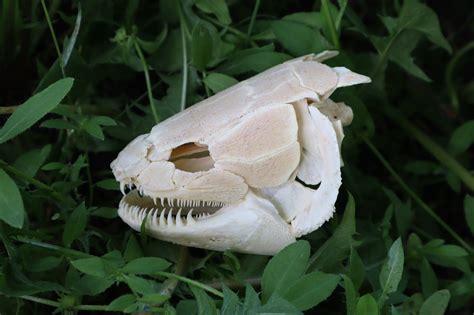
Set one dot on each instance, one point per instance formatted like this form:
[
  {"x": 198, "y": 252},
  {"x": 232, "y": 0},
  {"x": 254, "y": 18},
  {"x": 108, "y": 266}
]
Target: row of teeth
[
  {"x": 163, "y": 217},
  {"x": 187, "y": 203},
  {"x": 172, "y": 202}
]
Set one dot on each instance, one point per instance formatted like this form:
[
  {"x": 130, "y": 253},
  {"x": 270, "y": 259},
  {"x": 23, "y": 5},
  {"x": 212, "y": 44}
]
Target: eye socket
[{"x": 192, "y": 157}]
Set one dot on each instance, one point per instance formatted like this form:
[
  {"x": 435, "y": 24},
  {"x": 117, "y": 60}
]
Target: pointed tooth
[
  {"x": 162, "y": 221},
  {"x": 122, "y": 188},
  {"x": 140, "y": 214},
  {"x": 154, "y": 216},
  {"x": 170, "y": 217},
  {"x": 135, "y": 211},
  {"x": 189, "y": 217},
  {"x": 154, "y": 200},
  {"x": 179, "y": 220},
  {"x": 162, "y": 202}
]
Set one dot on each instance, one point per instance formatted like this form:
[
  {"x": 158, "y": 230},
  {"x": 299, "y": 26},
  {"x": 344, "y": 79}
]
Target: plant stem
[
  {"x": 62, "y": 250},
  {"x": 185, "y": 57},
  {"x": 252, "y": 19},
  {"x": 29, "y": 179},
  {"x": 229, "y": 28},
  {"x": 233, "y": 284},
  {"x": 147, "y": 80},
  {"x": 415, "y": 197},
  {"x": 449, "y": 74},
  {"x": 40, "y": 300},
  {"x": 432, "y": 147},
  {"x": 170, "y": 285},
  {"x": 84, "y": 307},
  {"x": 53, "y": 35},
  {"x": 330, "y": 23},
  {"x": 191, "y": 282},
  {"x": 384, "y": 55}
]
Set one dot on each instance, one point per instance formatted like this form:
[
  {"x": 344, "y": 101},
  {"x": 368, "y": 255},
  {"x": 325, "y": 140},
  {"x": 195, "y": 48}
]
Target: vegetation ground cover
[{"x": 80, "y": 79}]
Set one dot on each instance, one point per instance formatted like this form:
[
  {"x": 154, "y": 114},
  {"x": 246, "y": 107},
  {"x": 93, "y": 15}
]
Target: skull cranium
[{"x": 232, "y": 172}]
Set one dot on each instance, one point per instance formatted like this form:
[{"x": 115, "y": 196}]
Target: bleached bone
[{"x": 232, "y": 172}]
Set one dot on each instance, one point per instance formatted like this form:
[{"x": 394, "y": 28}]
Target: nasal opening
[{"x": 192, "y": 157}]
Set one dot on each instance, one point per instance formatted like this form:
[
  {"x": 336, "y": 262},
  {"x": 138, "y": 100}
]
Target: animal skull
[{"x": 232, "y": 172}]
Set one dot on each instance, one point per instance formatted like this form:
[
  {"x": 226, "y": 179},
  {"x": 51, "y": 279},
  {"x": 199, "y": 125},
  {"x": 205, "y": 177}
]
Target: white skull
[{"x": 223, "y": 173}]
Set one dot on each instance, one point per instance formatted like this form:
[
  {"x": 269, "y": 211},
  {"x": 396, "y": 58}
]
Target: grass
[{"x": 401, "y": 240}]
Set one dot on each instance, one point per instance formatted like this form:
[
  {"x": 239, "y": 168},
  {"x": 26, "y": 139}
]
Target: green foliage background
[{"x": 91, "y": 75}]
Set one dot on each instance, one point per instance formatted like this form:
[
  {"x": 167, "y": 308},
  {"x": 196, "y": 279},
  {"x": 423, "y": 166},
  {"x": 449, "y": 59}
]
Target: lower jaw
[
  {"x": 247, "y": 226},
  {"x": 134, "y": 209}
]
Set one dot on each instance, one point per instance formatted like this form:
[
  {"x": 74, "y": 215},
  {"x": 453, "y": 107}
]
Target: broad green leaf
[
  {"x": 351, "y": 295},
  {"x": 418, "y": 16},
  {"x": 75, "y": 224},
  {"x": 30, "y": 162},
  {"x": 400, "y": 53},
  {"x": 121, "y": 303},
  {"x": 469, "y": 212},
  {"x": 201, "y": 46},
  {"x": 436, "y": 304},
  {"x": 57, "y": 124},
  {"x": 93, "y": 128},
  {"x": 356, "y": 269},
  {"x": 146, "y": 265},
  {"x": 154, "y": 298},
  {"x": 335, "y": 249},
  {"x": 403, "y": 213},
  {"x": 92, "y": 285},
  {"x": 285, "y": 268},
  {"x": 217, "y": 7},
  {"x": 93, "y": 266},
  {"x": 217, "y": 82},
  {"x": 462, "y": 138},
  {"x": 12, "y": 210},
  {"x": 429, "y": 281},
  {"x": 299, "y": 39},
  {"x": 104, "y": 121},
  {"x": 35, "y": 108},
  {"x": 313, "y": 19},
  {"x": 277, "y": 305},
  {"x": 105, "y": 212},
  {"x": 230, "y": 304},
  {"x": 447, "y": 251},
  {"x": 108, "y": 184},
  {"x": 141, "y": 285},
  {"x": 133, "y": 249},
  {"x": 311, "y": 289},
  {"x": 251, "y": 300},
  {"x": 366, "y": 305},
  {"x": 206, "y": 305},
  {"x": 398, "y": 49},
  {"x": 43, "y": 264},
  {"x": 392, "y": 269}
]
